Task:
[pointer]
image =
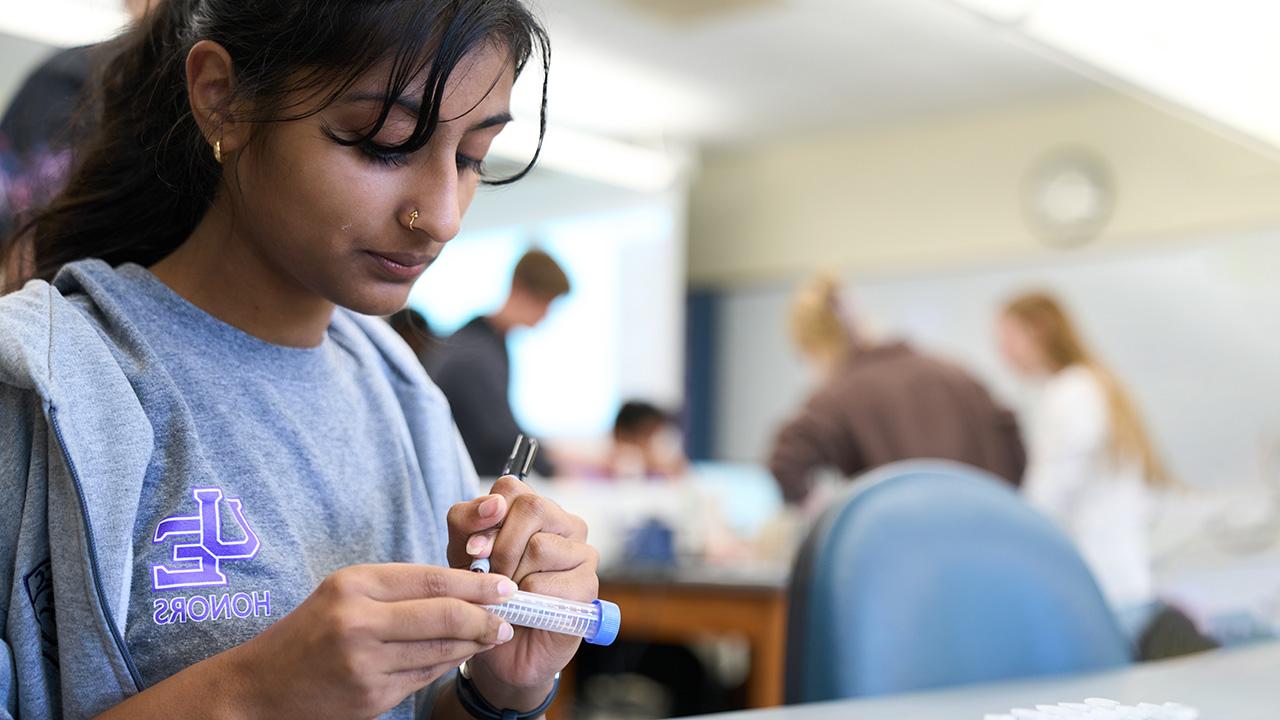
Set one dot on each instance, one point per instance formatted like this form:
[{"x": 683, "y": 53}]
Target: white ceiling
[
  {"x": 756, "y": 69},
  {"x": 674, "y": 75},
  {"x": 725, "y": 71},
  {"x": 1213, "y": 58}
]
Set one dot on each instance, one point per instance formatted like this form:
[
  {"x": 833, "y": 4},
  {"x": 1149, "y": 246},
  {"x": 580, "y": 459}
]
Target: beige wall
[{"x": 947, "y": 192}]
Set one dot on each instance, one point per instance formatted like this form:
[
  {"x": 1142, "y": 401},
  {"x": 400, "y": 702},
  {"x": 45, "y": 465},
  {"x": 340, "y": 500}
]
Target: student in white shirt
[{"x": 1090, "y": 461}]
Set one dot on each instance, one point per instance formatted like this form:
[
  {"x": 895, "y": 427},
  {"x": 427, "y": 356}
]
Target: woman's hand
[
  {"x": 370, "y": 636},
  {"x": 541, "y": 547}
]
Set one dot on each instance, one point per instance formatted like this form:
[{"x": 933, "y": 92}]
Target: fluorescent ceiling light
[
  {"x": 609, "y": 117},
  {"x": 1002, "y": 10},
  {"x": 64, "y": 23},
  {"x": 600, "y": 91},
  {"x": 1218, "y": 58}
]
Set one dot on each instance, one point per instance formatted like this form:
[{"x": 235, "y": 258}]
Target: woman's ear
[{"x": 210, "y": 87}]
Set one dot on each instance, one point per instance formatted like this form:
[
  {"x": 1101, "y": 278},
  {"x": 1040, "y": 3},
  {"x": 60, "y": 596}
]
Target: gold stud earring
[
  {"x": 217, "y": 151},
  {"x": 413, "y": 218}
]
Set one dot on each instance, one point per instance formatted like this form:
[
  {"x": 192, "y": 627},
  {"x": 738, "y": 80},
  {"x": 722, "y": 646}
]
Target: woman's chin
[{"x": 380, "y": 301}]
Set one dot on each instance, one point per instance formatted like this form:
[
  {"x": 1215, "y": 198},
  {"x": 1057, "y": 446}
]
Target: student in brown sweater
[{"x": 881, "y": 403}]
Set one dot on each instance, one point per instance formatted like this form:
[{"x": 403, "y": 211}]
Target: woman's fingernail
[
  {"x": 505, "y": 633},
  {"x": 476, "y": 544},
  {"x": 489, "y": 508},
  {"x": 506, "y": 588}
]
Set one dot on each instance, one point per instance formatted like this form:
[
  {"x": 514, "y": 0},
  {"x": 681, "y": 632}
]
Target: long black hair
[{"x": 146, "y": 176}]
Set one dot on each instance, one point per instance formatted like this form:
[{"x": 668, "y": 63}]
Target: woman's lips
[{"x": 403, "y": 266}]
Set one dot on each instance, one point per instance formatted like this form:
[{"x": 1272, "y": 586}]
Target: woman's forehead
[{"x": 480, "y": 85}]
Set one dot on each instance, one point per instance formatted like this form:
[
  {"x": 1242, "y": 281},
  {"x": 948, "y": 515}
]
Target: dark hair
[
  {"x": 146, "y": 176},
  {"x": 416, "y": 331},
  {"x": 540, "y": 274},
  {"x": 636, "y": 416}
]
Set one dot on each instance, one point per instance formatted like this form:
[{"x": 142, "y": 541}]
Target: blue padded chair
[{"x": 931, "y": 573}]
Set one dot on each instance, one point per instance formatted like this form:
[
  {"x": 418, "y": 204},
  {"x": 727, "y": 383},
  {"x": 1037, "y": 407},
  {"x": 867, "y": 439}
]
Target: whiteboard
[{"x": 1192, "y": 328}]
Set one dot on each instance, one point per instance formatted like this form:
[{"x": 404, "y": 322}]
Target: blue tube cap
[{"x": 610, "y": 623}]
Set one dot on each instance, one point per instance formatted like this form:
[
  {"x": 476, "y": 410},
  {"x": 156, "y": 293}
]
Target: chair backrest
[{"x": 932, "y": 573}]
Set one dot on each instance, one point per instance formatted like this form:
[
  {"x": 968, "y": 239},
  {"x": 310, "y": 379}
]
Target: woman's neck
[
  {"x": 220, "y": 271},
  {"x": 832, "y": 361}
]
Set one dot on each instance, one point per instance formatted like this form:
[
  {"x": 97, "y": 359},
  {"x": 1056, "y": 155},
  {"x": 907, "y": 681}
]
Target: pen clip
[
  {"x": 522, "y": 456},
  {"x": 519, "y": 464}
]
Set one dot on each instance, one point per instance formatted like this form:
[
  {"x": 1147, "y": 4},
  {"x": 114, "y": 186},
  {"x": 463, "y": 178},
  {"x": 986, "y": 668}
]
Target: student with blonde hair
[
  {"x": 1090, "y": 461},
  {"x": 881, "y": 402}
]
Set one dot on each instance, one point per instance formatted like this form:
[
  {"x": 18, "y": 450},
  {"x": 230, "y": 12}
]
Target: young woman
[
  {"x": 224, "y": 490},
  {"x": 1090, "y": 462}
]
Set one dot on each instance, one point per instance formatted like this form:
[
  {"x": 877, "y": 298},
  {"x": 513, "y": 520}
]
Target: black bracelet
[{"x": 480, "y": 708}]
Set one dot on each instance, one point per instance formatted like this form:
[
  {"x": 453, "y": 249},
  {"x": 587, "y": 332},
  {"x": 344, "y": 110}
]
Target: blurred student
[
  {"x": 1090, "y": 460},
  {"x": 48, "y": 116},
  {"x": 878, "y": 403},
  {"x": 474, "y": 369},
  {"x": 646, "y": 443}
]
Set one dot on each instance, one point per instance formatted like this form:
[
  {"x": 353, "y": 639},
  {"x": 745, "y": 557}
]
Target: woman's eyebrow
[
  {"x": 501, "y": 118},
  {"x": 403, "y": 102},
  {"x": 413, "y": 108}
]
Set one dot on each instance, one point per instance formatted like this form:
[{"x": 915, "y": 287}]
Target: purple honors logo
[{"x": 199, "y": 551}]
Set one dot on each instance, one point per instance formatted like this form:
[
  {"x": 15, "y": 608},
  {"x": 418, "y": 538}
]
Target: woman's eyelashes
[
  {"x": 388, "y": 157},
  {"x": 383, "y": 156},
  {"x": 474, "y": 165}
]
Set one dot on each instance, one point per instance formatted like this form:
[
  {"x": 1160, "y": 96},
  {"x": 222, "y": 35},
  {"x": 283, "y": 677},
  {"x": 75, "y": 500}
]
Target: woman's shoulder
[
  {"x": 73, "y": 330},
  {"x": 53, "y": 345},
  {"x": 373, "y": 341},
  {"x": 1076, "y": 391},
  {"x": 1076, "y": 380},
  {"x": 36, "y": 323},
  {"x": 25, "y": 334}
]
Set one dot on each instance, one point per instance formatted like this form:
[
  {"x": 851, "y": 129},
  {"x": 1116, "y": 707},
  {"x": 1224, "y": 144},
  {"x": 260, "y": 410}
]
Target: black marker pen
[{"x": 518, "y": 464}]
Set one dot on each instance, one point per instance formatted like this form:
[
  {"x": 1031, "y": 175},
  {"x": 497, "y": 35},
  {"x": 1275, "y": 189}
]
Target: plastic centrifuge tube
[{"x": 596, "y": 622}]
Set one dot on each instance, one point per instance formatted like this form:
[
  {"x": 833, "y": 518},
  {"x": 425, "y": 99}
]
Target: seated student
[
  {"x": 878, "y": 403},
  {"x": 1090, "y": 461},
  {"x": 225, "y": 491},
  {"x": 646, "y": 444},
  {"x": 474, "y": 368}
]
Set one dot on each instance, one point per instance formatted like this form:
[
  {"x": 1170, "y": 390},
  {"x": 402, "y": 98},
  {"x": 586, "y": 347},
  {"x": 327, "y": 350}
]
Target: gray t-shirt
[{"x": 306, "y": 466}]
